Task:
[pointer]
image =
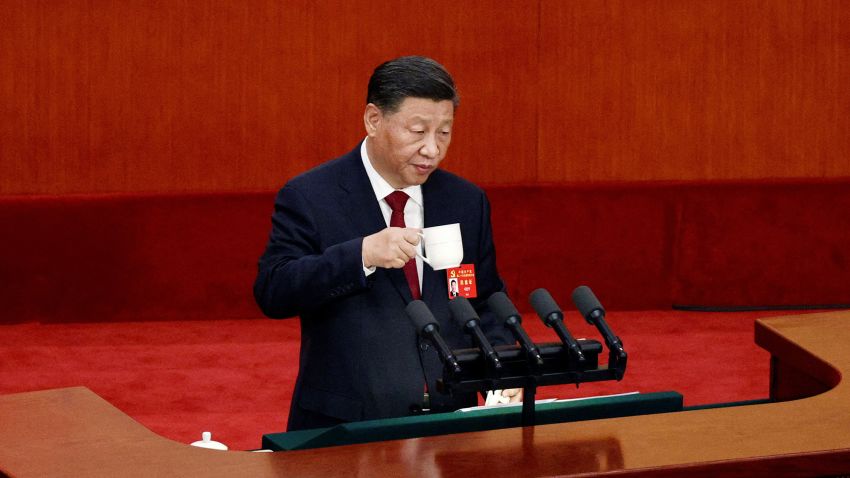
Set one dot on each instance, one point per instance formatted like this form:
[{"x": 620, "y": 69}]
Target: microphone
[
  {"x": 504, "y": 309},
  {"x": 592, "y": 311},
  {"x": 465, "y": 315},
  {"x": 428, "y": 328},
  {"x": 553, "y": 317}
]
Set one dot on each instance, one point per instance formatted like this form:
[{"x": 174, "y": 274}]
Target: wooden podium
[{"x": 73, "y": 432}]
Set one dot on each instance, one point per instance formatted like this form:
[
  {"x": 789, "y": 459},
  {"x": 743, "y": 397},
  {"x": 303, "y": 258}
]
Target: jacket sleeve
[{"x": 298, "y": 272}]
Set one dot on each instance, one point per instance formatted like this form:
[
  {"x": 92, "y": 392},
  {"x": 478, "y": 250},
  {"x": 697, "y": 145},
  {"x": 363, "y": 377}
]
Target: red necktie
[{"x": 397, "y": 200}]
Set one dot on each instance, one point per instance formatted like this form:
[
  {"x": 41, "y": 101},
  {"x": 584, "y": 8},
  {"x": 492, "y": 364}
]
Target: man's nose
[{"x": 430, "y": 149}]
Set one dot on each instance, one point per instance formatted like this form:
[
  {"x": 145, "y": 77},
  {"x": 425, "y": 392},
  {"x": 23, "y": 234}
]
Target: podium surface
[
  {"x": 73, "y": 432},
  {"x": 493, "y": 418}
]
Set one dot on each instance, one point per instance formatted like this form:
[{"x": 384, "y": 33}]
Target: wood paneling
[
  {"x": 671, "y": 90},
  {"x": 222, "y": 95},
  {"x": 212, "y": 95}
]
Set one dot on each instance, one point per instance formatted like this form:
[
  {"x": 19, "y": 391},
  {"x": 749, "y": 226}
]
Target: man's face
[{"x": 406, "y": 146}]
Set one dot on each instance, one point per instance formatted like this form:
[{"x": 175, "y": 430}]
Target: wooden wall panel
[
  {"x": 220, "y": 95},
  {"x": 208, "y": 95},
  {"x": 672, "y": 90}
]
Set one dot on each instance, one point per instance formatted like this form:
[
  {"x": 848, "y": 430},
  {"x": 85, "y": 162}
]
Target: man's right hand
[{"x": 390, "y": 248}]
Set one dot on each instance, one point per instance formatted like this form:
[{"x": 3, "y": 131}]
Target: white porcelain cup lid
[{"x": 207, "y": 442}]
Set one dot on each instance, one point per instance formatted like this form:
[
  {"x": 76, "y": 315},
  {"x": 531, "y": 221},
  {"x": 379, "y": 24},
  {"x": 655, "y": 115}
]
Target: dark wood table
[{"x": 73, "y": 432}]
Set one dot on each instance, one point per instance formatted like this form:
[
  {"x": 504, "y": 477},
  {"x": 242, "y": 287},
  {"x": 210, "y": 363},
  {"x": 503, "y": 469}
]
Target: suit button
[{"x": 423, "y": 346}]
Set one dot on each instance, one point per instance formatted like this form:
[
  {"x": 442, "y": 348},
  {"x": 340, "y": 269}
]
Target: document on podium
[{"x": 496, "y": 403}]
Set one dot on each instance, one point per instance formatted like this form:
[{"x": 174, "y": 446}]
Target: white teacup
[{"x": 443, "y": 246}]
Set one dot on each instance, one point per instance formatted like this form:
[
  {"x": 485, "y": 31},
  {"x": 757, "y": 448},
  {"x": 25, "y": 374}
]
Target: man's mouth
[{"x": 423, "y": 168}]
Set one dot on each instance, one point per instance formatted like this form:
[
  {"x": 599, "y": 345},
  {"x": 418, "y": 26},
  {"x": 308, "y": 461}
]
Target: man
[{"x": 342, "y": 256}]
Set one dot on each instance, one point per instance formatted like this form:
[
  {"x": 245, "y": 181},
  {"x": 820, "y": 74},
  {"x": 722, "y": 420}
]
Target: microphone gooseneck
[
  {"x": 546, "y": 308},
  {"x": 428, "y": 328},
  {"x": 465, "y": 315},
  {"x": 505, "y": 310},
  {"x": 593, "y": 312}
]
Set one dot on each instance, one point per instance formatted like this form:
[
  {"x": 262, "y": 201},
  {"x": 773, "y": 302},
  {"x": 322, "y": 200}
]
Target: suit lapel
[
  {"x": 438, "y": 207},
  {"x": 358, "y": 199}
]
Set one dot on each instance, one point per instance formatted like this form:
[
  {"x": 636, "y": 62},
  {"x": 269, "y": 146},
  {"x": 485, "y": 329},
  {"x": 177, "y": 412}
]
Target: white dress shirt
[{"x": 414, "y": 209}]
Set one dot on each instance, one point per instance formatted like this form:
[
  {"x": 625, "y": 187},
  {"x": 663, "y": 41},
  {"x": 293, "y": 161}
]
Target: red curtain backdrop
[{"x": 162, "y": 96}]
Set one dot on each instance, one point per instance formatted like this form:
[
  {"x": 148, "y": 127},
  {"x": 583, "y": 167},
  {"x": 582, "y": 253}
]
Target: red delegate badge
[{"x": 461, "y": 281}]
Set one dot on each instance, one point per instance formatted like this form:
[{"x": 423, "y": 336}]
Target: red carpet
[{"x": 234, "y": 377}]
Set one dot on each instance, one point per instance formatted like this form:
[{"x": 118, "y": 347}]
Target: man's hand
[
  {"x": 499, "y": 397},
  {"x": 514, "y": 395},
  {"x": 390, "y": 248}
]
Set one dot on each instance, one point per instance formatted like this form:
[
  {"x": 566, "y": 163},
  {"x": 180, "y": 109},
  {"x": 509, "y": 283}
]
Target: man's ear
[{"x": 372, "y": 118}]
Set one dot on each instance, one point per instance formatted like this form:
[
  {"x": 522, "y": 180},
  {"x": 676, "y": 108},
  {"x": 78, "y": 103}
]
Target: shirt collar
[{"x": 380, "y": 186}]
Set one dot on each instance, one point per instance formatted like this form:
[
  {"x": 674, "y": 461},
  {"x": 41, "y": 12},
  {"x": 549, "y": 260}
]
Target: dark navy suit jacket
[{"x": 360, "y": 355}]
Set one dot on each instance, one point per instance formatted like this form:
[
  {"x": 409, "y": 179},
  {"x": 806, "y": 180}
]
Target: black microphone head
[
  {"x": 462, "y": 311},
  {"x": 502, "y": 306},
  {"x": 421, "y": 315},
  {"x": 586, "y": 302},
  {"x": 545, "y": 306}
]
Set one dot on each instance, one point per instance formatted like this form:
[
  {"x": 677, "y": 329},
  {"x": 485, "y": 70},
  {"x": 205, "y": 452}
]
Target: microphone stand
[
  {"x": 510, "y": 366},
  {"x": 528, "y": 405},
  {"x": 559, "y": 367}
]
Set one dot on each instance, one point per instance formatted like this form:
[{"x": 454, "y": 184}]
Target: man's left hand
[{"x": 514, "y": 395}]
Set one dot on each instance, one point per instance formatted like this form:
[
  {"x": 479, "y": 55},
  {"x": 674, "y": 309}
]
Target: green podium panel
[{"x": 475, "y": 420}]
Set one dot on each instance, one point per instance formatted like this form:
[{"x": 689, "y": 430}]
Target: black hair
[{"x": 410, "y": 76}]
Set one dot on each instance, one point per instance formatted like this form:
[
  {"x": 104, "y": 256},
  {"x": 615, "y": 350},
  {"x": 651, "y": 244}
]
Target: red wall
[{"x": 208, "y": 95}]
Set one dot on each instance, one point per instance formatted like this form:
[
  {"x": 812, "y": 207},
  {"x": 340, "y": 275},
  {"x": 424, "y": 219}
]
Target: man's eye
[{"x": 418, "y": 131}]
